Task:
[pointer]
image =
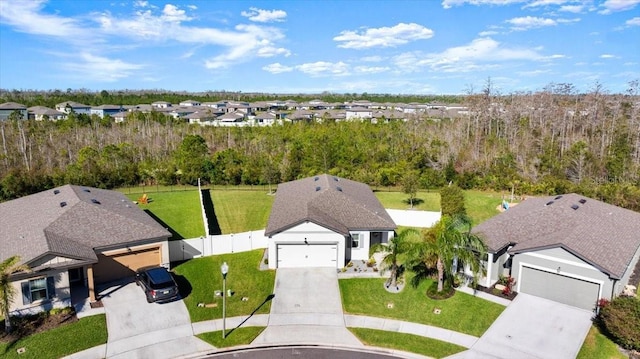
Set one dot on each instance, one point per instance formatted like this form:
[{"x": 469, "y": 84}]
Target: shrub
[{"x": 621, "y": 320}]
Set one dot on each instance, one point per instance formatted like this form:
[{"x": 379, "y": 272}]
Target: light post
[{"x": 224, "y": 268}]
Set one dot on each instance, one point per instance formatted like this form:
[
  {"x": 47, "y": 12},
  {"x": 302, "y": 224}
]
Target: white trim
[
  {"x": 489, "y": 266},
  {"x": 555, "y": 271},
  {"x": 560, "y": 260}
]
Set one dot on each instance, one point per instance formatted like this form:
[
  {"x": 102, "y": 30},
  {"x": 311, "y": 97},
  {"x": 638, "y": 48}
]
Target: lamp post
[{"x": 224, "y": 268}]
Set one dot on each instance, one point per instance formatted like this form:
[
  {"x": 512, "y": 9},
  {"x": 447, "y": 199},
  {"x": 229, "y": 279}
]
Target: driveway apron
[
  {"x": 306, "y": 309},
  {"x": 536, "y": 328},
  {"x": 135, "y": 326}
]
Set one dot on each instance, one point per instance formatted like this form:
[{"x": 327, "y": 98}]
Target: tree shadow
[
  {"x": 174, "y": 235},
  {"x": 266, "y": 300},
  {"x": 416, "y": 201},
  {"x": 213, "y": 225}
]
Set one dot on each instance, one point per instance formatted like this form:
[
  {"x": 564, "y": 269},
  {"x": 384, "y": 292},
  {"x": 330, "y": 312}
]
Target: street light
[{"x": 224, "y": 268}]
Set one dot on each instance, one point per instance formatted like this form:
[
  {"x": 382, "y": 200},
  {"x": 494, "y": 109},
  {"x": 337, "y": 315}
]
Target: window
[
  {"x": 355, "y": 240},
  {"x": 38, "y": 289}
]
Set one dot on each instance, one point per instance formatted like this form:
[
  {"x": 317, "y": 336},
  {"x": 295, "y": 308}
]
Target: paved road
[{"x": 302, "y": 352}]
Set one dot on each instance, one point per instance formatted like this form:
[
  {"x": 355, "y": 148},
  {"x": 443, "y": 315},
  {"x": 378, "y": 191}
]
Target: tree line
[{"x": 547, "y": 142}]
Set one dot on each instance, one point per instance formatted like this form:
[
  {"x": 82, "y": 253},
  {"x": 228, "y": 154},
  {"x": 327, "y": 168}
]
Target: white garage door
[
  {"x": 307, "y": 255},
  {"x": 559, "y": 288}
]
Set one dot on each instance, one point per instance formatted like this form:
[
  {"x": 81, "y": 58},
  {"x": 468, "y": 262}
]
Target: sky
[{"x": 430, "y": 47}]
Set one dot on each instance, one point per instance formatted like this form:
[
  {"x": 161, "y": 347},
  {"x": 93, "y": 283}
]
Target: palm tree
[
  {"x": 449, "y": 241},
  {"x": 7, "y": 291},
  {"x": 392, "y": 250}
]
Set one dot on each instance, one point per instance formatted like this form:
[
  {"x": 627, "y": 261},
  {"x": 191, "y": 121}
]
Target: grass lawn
[
  {"x": 425, "y": 201},
  {"x": 462, "y": 312},
  {"x": 239, "y": 336},
  {"x": 481, "y": 205},
  {"x": 61, "y": 341},
  {"x": 179, "y": 211},
  {"x": 407, "y": 342},
  {"x": 200, "y": 277},
  {"x": 240, "y": 211},
  {"x": 597, "y": 346}
]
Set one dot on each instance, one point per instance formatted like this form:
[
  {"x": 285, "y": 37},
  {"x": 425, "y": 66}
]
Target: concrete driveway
[
  {"x": 536, "y": 328},
  {"x": 306, "y": 309},
  {"x": 140, "y": 329}
]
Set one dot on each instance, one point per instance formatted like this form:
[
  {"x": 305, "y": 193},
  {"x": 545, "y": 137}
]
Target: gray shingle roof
[
  {"x": 336, "y": 203},
  {"x": 72, "y": 221},
  {"x": 603, "y": 235}
]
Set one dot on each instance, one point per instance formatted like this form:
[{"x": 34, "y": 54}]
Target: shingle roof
[
  {"x": 72, "y": 221},
  {"x": 336, "y": 203},
  {"x": 603, "y": 235},
  {"x": 12, "y": 106}
]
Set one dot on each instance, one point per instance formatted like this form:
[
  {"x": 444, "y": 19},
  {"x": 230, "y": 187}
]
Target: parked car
[{"x": 157, "y": 283}]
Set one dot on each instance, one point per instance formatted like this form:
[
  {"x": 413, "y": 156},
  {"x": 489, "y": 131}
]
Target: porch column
[
  {"x": 489, "y": 267},
  {"x": 90, "y": 284}
]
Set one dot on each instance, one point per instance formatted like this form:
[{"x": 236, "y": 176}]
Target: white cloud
[
  {"x": 633, "y": 22},
  {"x": 576, "y": 9},
  {"x": 611, "y": 6},
  {"x": 25, "y": 17},
  {"x": 607, "y": 56},
  {"x": 383, "y": 37},
  {"x": 98, "y": 68},
  {"x": 172, "y": 13},
  {"x": 481, "y": 53},
  {"x": 545, "y": 3},
  {"x": 370, "y": 69},
  {"x": 375, "y": 58},
  {"x": 260, "y": 15},
  {"x": 447, "y": 4},
  {"x": 277, "y": 68},
  {"x": 270, "y": 51},
  {"x": 487, "y": 33},
  {"x": 322, "y": 68},
  {"x": 533, "y": 73},
  {"x": 529, "y": 22}
]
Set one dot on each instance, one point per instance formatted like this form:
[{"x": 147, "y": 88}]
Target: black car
[{"x": 157, "y": 283}]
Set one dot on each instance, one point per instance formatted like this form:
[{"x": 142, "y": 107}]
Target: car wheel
[{"x": 149, "y": 300}]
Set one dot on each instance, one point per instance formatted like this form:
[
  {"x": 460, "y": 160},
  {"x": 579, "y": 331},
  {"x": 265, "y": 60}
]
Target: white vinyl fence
[{"x": 212, "y": 245}]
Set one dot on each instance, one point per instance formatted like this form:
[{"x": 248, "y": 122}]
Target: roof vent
[
  {"x": 558, "y": 197},
  {"x": 317, "y": 188},
  {"x": 336, "y": 179},
  {"x": 56, "y": 191},
  {"x": 549, "y": 203},
  {"x": 575, "y": 206},
  {"x": 62, "y": 204},
  {"x": 583, "y": 201},
  {"x": 339, "y": 189},
  {"x": 93, "y": 200},
  {"x": 86, "y": 190},
  {"x": 316, "y": 178}
]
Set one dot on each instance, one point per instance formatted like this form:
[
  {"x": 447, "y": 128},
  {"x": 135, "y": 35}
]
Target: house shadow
[
  {"x": 266, "y": 300},
  {"x": 174, "y": 235},
  {"x": 184, "y": 287},
  {"x": 212, "y": 224}
]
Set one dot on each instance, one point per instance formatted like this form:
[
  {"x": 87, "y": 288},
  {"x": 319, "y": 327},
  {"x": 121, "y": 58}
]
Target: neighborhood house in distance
[
  {"x": 239, "y": 113},
  {"x": 75, "y": 238},
  {"x": 325, "y": 221}
]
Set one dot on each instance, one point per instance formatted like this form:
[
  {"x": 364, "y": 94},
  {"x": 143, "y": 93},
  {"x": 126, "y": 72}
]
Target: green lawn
[
  {"x": 61, "y": 341},
  {"x": 180, "y": 211},
  {"x": 240, "y": 211},
  {"x": 462, "y": 312},
  {"x": 425, "y": 201},
  {"x": 481, "y": 205},
  {"x": 597, "y": 346},
  {"x": 200, "y": 277},
  {"x": 407, "y": 342},
  {"x": 238, "y": 336}
]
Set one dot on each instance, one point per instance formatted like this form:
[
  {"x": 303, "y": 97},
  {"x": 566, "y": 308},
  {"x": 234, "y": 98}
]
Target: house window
[
  {"x": 38, "y": 289},
  {"x": 355, "y": 240}
]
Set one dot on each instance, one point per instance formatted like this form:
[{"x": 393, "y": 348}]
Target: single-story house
[
  {"x": 41, "y": 113},
  {"x": 568, "y": 248},
  {"x": 74, "y": 238},
  {"x": 7, "y": 108},
  {"x": 325, "y": 221},
  {"x": 76, "y": 107}
]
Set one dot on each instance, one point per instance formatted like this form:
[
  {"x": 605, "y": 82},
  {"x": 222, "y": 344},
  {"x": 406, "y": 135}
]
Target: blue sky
[{"x": 395, "y": 47}]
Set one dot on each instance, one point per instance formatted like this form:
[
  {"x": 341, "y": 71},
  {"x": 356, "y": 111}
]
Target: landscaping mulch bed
[
  {"x": 32, "y": 324},
  {"x": 498, "y": 293}
]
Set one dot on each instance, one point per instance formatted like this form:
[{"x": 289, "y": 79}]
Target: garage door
[
  {"x": 307, "y": 255},
  {"x": 121, "y": 265},
  {"x": 559, "y": 288}
]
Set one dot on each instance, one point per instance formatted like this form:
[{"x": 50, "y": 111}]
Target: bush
[{"x": 621, "y": 320}]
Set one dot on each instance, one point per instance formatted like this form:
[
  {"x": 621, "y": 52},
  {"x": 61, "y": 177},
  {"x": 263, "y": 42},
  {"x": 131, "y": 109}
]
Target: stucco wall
[{"x": 61, "y": 298}]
